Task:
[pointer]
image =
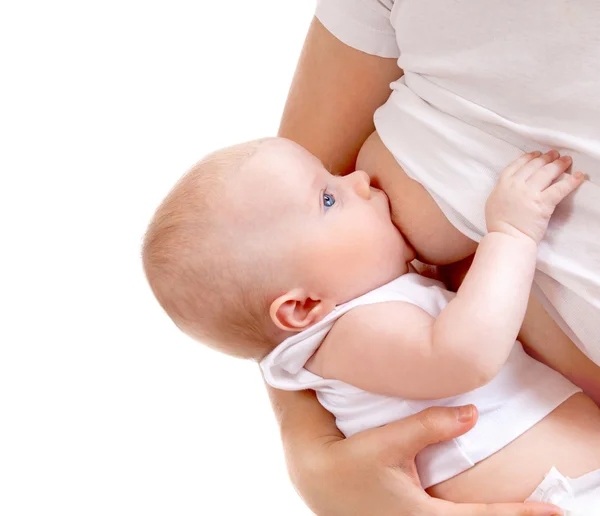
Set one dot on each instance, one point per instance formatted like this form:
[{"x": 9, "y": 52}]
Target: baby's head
[{"x": 259, "y": 240}]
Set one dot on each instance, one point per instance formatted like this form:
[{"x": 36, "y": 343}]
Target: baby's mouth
[{"x": 387, "y": 199}]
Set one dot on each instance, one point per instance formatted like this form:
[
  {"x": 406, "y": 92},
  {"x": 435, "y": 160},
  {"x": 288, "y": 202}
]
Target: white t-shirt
[{"x": 483, "y": 83}]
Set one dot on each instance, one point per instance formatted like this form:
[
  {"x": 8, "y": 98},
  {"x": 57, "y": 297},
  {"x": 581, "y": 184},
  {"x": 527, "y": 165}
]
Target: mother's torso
[
  {"x": 535, "y": 63},
  {"x": 485, "y": 81}
]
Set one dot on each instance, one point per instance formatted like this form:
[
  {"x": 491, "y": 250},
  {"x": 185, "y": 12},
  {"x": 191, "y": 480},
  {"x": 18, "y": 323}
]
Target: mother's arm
[
  {"x": 333, "y": 97},
  {"x": 329, "y": 111}
]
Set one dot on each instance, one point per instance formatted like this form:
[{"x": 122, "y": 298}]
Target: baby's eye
[{"x": 328, "y": 200}]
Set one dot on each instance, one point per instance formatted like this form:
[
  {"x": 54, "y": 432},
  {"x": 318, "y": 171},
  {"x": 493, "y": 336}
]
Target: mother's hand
[{"x": 373, "y": 473}]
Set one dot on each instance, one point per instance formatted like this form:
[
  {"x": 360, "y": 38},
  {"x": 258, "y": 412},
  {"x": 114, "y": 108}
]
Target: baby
[{"x": 261, "y": 253}]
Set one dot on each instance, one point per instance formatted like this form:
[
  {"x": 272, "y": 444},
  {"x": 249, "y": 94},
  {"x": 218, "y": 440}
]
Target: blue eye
[{"x": 328, "y": 200}]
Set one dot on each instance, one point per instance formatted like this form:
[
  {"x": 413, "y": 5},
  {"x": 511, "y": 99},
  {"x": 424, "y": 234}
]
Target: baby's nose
[{"x": 361, "y": 183}]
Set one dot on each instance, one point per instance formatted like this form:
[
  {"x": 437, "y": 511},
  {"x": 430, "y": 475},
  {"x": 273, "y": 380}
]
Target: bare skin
[{"x": 329, "y": 111}]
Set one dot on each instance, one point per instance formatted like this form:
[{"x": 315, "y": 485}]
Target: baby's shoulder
[{"x": 427, "y": 294}]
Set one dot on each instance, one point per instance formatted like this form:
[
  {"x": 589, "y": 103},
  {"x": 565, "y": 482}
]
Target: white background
[{"x": 105, "y": 408}]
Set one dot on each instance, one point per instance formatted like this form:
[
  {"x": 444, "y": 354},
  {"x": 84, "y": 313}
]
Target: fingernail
[{"x": 465, "y": 413}]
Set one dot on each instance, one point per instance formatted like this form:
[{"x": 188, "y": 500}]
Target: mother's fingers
[{"x": 407, "y": 437}]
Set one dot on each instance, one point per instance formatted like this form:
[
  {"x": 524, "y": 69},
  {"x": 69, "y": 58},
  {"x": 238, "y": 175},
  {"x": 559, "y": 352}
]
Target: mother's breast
[{"x": 414, "y": 211}]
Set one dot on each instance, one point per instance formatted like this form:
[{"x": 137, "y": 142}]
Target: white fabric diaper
[{"x": 576, "y": 496}]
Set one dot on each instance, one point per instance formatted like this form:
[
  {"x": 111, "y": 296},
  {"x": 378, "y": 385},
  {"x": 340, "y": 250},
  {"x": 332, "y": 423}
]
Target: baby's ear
[{"x": 296, "y": 310}]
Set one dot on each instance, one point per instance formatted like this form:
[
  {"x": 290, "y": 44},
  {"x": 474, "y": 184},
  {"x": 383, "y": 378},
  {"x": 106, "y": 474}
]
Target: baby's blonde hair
[{"x": 210, "y": 288}]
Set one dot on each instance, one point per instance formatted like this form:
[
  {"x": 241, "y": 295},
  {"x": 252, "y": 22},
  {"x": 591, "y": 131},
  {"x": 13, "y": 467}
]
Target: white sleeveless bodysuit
[{"x": 523, "y": 393}]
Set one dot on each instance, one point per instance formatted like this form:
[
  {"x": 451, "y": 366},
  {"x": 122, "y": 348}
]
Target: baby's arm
[
  {"x": 416, "y": 356},
  {"x": 542, "y": 338}
]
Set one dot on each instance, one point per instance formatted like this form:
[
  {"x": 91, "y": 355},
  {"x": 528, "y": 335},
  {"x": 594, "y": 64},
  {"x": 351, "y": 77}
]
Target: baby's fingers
[
  {"x": 520, "y": 163},
  {"x": 532, "y": 166},
  {"x": 559, "y": 190},
  {"x": 545, "y": 176}
]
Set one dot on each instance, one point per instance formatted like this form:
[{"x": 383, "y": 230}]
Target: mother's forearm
[
  {"x": 302, "y": 421},
  {"x": 300, "y": 412}
]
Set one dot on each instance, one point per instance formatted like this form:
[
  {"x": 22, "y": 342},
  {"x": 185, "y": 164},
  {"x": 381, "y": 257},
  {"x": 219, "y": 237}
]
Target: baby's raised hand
[{"x": 527, "y": 192}]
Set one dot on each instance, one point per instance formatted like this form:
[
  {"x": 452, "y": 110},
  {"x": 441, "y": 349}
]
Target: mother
[{"x": 474, "y": 84}]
